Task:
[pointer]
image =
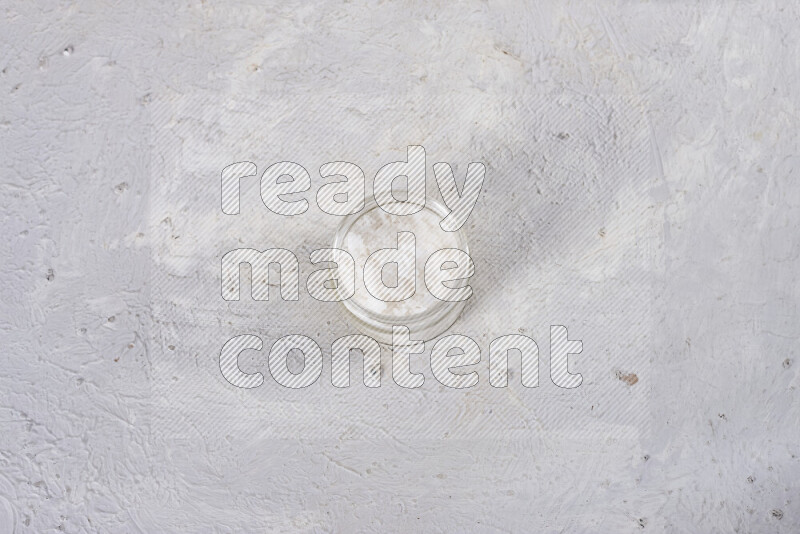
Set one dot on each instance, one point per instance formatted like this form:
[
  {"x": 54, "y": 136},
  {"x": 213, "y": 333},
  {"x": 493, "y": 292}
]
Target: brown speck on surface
[
  {"x": 171, "y": 347},
  {"x": 787, "y": 363},
  {"x": 112, "y": 319},
  {"x": 116, "y": 359},
  {"x": 751, "y": 479},
  {"x": 601, "y": 232},
  {"x": 777, "y": 514},
  {"x": 628, "y": 378},
  {"x": 50, "y": 275}
]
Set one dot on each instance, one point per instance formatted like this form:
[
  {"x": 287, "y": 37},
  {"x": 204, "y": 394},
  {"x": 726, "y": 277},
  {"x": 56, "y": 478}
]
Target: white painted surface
[{"x": 84, "y": 446}]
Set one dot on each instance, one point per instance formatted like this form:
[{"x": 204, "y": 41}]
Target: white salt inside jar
[{"x": 373, "y": 229}]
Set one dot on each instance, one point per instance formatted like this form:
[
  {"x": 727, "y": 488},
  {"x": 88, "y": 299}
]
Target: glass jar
[{"x": 371, "y": 229}]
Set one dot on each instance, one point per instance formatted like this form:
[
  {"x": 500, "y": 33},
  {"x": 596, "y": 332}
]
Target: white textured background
[{"x": 80, "y": 451}]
